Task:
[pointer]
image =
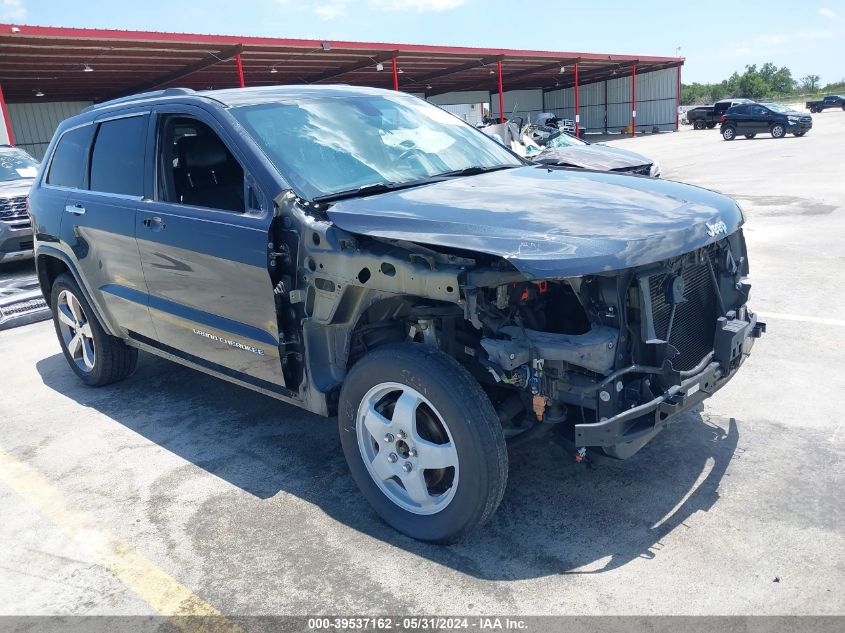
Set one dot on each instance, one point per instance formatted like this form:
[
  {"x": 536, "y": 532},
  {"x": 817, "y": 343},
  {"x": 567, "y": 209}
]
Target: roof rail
[{"x": 167, "y": 92}]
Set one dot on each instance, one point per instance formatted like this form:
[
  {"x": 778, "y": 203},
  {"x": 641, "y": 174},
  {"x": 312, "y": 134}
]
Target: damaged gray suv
[{"x": 362, "y": 253}]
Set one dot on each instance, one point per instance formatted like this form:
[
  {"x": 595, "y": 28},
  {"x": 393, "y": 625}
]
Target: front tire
[
  {"x": 96, "y": 357},
  {"x": 422, "y": 441},
  {"x": 750, "y": 136},
  {"x": 729, "y": 133},
  {"x": 778, "y": 131},
  {"x": 799, "y": 133}
]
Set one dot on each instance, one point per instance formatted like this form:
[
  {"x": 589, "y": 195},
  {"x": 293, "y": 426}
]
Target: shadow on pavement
[{"x": 557, "y": 516}]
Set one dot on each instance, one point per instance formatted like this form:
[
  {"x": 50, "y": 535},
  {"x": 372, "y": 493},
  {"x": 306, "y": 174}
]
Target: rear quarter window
[
  {"x": 67, "y": 169},
  {"x": 117, "y": 162}
]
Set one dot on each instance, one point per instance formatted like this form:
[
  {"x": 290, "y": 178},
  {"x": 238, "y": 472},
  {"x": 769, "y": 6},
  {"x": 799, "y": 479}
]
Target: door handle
[
  {"x": 154, "y": 223},
  {"x": 75, "y": 209}
]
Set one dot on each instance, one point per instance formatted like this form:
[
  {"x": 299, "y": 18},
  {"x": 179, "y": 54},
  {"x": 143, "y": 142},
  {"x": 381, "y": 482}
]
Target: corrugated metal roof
[{"x": 52, "y": 60}]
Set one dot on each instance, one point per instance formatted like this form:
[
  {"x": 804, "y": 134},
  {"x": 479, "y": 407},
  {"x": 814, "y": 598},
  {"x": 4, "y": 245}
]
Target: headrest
[{"x": 202, "y": 152}]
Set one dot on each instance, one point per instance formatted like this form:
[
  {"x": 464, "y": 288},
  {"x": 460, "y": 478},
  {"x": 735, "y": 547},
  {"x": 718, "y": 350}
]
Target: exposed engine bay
[{"x": 609, "y": 356}]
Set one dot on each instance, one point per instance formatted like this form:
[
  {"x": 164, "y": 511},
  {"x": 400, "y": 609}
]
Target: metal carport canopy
[{"x": 72, "y": 64}]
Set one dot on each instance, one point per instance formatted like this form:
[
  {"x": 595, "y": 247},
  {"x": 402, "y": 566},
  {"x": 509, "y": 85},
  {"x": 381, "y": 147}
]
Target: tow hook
[{"x": 581, "y": 455}]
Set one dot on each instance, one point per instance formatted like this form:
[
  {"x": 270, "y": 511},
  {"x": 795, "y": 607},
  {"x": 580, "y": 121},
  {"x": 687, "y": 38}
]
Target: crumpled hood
[
  {"x": 599, "y": 157},
  {"x": 549, "y": 222}
]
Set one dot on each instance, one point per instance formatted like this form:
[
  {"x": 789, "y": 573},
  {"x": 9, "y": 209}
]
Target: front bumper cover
[{"x": 733, "y": 342}]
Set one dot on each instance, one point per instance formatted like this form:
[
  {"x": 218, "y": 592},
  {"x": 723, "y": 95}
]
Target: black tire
[
  {"x": 843, "y": 106},
  {"x": 729, "y": 133},
  {"x": 113, "y": 360},
  {"x": 710, "y": 126},
  {"x": 476, "y": 433},
  {"x": 799, "y": 133},
  {"x": 778, "y": 130},
  {"x": 750, "y": 135},
  {"x": 699, "y": 124}
]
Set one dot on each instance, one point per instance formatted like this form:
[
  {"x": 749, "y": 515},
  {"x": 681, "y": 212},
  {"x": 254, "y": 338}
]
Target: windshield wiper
[
  {"x": 384, "y": 187},
  {"x": 474, "y": 170},
  {"x": 371, "y": 189}
]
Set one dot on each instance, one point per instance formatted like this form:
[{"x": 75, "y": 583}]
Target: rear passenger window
[
  {"x": 67, "y": 168},
  {"x": 117, "y": 163}
]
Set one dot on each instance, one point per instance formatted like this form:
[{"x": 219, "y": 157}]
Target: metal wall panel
[
  {"x": 590, "y": 104},
  {"x": 519, "y": 103},
  {"x": 469, "y": 112},
  {"x": 33, "y": 124},
  {"x": 657, "y": 94},
  {"x": 457, "y": 98}
]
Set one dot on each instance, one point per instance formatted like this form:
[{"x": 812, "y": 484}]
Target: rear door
[
  {"x": 203, "y": 238},
  {"x": 98, "y": 223}
]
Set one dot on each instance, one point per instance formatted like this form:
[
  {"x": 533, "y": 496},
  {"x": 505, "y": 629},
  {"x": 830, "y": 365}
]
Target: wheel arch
[
  {"x": 50, "y": 263},
  {"x": 366, "y": 320}
]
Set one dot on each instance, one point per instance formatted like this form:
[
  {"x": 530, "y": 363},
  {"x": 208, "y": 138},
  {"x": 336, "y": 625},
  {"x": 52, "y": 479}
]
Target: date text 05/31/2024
[{"x": 431, "y": 623}]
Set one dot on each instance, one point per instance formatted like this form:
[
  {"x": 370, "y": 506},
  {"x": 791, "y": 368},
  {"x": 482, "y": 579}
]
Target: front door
[
  {"x": 204, "y": 254},
  {"x": 742, "y": 120}
]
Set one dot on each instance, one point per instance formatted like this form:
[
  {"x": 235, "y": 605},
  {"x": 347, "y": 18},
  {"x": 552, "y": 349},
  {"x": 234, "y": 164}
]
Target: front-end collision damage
[
  {"x": 650, "y": 342},
  {"x": 609, "y": 356}
]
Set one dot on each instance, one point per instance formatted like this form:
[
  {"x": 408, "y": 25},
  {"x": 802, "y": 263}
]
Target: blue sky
[{"x": 806, "y": 36}]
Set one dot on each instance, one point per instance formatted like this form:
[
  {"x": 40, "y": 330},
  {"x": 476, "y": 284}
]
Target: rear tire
[
  {"x": 750, "y": 135},
  {"x": 710, "y": 126},
  {"x": 406, "y": 405},
  {"x": 95, "y": 356},
  {"x": 799, "y": 133},
  {"x": 729, "y": 133},
  {"x": 778, "y": 131},
  {"x": 699, "y": 124}
]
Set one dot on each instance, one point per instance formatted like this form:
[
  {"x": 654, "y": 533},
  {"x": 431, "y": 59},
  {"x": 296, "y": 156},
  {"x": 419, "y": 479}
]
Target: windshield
[
  {"x": 776, "y": 107},
  {"x": 564, "y": 140},
  {"x": 330, "y": 145},
  {"x": 16, "y": 164}
]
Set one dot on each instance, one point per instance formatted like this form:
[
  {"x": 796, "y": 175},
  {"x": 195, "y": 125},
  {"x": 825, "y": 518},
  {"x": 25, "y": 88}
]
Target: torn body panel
[{"x": 612, "y": 355}]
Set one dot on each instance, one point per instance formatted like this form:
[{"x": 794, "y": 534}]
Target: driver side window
[{"x": 196, "y": 168}]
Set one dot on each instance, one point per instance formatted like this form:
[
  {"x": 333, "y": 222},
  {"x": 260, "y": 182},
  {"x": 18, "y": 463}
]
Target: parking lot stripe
[
  {"x": 153, "y": 585},
  {"x": 802, "y": 318}
]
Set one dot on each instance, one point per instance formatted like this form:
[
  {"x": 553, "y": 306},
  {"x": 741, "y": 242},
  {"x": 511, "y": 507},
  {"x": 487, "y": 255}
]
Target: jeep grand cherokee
[{"x": 362, "y": 253}]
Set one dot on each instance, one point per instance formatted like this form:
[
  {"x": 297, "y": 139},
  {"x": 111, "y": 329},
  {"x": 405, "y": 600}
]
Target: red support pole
[
  {"x": 395, "y": 75},
  {"x": 634, "y": 100},
  {"x": 678, "y": 107},
  {"x": 240, "y": 64},
  {"x": 501, "y": 94},
  {"x": 577, "y": 113},
  {"x": 6, "y": 119}
]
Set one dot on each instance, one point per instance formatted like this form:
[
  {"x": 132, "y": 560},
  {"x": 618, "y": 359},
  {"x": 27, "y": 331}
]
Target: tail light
[{"x": 723, "y": 118}]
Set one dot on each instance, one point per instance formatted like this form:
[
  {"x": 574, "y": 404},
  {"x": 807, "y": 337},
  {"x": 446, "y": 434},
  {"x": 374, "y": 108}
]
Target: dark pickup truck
[
  {"x": 830, "y": 101},
  {"x": 709, "y": 116}
]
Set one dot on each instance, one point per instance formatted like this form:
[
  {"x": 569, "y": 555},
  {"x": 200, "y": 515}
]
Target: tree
[{"x": 809, "y": 83}]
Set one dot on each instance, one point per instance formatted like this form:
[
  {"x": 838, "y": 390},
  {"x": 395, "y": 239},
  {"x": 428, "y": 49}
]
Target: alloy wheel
[
  {"x": 76, "y": 331},
  {"x": 407, "y": 448}
]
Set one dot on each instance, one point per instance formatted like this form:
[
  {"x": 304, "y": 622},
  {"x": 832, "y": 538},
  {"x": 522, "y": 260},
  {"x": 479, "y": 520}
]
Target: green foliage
[
  {"x": 768, "y": 81},
  {"x": 809, "y": 84}
]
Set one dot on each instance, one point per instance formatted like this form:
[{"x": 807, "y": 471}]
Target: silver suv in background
[{"x": 17, "y": 171}]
